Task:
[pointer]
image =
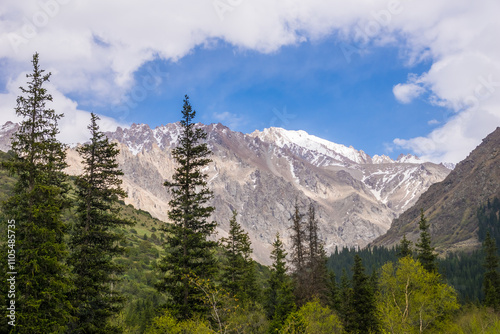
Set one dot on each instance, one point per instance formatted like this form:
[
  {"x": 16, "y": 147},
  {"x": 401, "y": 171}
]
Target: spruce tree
[
  {"x": 299, "y": 256},
  {"x": 333, "y": 292},
  {"x": 316, "y": 264},
  {"x": 94, "y": 241},
  {"x": 188, "y": 249},
  {"x": 425, "y": 252},
  {"x": 238, "y": 275},
  {"x": 346, "y": 312},
  {"x": 279, "y": 295},
  {"x": 405, "y": 247},
  {"x": 363, "y": 302},
  {"x": 491, "y": 280},
  {"x": 37, "y": 204}
]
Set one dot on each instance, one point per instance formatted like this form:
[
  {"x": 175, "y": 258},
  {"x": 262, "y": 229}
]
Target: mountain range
[
  {"x": 451, "y": 205},
  {"x": 263, "y": 173}
]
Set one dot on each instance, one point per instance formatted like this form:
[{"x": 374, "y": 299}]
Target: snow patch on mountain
[{"x": 301, "y": 139}]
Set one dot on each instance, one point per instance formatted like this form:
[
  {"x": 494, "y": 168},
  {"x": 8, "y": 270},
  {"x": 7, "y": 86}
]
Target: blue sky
[
  {"x": 386, "y": 77},
  {"x": 310, "y": 86}
]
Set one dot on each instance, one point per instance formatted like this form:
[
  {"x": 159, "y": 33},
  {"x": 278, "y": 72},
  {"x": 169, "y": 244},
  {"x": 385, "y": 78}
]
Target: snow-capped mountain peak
[{"x": 302, "y": 140}]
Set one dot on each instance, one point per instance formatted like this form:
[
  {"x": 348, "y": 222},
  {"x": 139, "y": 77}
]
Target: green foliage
[
  {"x": 250, "y": 318},
  {"x": 373, "y": 258},
  {"x": 93, "y": 241},
  {"x": 333, "y": 292},
  {"x": 474, "y": 319},
  {"x": 488, "y": 216},
  {"x": 36, "y": 204},
  {"x": 491, "y": 281},
  {"x": 238, "y": 271},
  {"x": 166, "y": 323},
  {"x": 405, "y": 247},
  {"x": 313, "y": 318},
  {"x": 188, "y": 249},
  {"x": 317, "y": 273},
  {"x": 412, "y": 299},
  {"x": 299, "y": 256},
  {"x": 279, "y": 295},
  {"x": 425, "y": 252},
  {"x": 363, "y": 318}
]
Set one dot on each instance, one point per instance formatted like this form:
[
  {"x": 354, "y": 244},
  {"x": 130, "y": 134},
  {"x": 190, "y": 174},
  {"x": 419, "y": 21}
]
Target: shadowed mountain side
[{"x": 451, "y": 205}]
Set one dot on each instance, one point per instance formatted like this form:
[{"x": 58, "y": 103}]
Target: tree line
[{"x": 67, "y": 276}]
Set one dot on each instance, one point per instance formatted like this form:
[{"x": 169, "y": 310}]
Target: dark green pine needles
[
  {"x": 36, "y": 205},
  {"x": 238, "y": 270},
  {"x": 94, "y": 241},
  {"x": 189, "y": 252}
]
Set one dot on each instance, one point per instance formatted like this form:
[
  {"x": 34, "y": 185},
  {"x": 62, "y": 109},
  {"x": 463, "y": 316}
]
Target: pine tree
[
  {"x": 491, "y": 280},
  {"x": 405, "y": 247},
  {"x": 188, "y": 249},
  {"x": 299, "y": 256},
  {"x": 364, "y": 315},
  {"x": 346, "y": 311},
  {"x": 425, "y": 253},
  {"x": 94, "y": 242},
  {"x": 37, "y": 205},
  {"x": 279, "y": 295},
  {"x": 333, "y": 293},
  {"x": 316, "y": 264},
  {"x": 238, "y": 276}
]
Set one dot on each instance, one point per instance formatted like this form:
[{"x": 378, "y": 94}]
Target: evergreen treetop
[
  {"x": 238, "y": 274},
  {"x": 279, "y": 295},
  {"x": 37, "y": 204},
  {"x": 94, "y": 243},
  {"x": 405, "y": 247},
  {"x": 188, "y": 249},
  {"x": 425, "y": 252}
]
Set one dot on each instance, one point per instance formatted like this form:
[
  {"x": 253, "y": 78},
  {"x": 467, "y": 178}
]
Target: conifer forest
[{"x": 77, "y": 259}]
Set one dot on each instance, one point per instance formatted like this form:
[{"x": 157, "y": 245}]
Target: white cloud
[
  {"x": 405, "y": 93},
  {"x": 94, "y": 47},
  {"x": 231, "y": 120},
  {"x": 73, "y": 125}
]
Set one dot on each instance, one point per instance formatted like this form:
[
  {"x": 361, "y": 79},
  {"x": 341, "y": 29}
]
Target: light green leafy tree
[
  {"x": 313, "y": 318},
  {"x": 412, "y": 299}
]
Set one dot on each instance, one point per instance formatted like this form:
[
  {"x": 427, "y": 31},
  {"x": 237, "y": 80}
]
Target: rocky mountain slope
[
  {"x": 262, "y": 173},
  {"x": 451, "y": 205}
]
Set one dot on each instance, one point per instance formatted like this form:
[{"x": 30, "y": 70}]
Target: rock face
[
  {"x": 6, "y": 131},
  {"x": 451, "y": 205},
  {"x": 261, "y": 174}
]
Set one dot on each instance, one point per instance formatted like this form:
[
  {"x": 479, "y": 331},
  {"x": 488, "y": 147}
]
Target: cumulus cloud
[
  {"x": 73, "y": 125},
  {"x": 405, "y": 93},
  {"x": 95, "y": 47}
]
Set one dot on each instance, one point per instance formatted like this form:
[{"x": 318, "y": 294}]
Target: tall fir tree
[
  {"x": 94, "y": 241},
  {"x": 346, "y": 312},
  {"x": 405, "y": 247},
  {"x": 491, "y": 280},
  {"x": 316, "y": 262},
  {"x": 425, "y": 252},
  {"x": 363, "y": 303},
  {"x": 188, "y": 248},
  {"x": 279, "y": 301},
  {"x": 333, "y": 293},
  {"x": 299, "y": 256},
  {"x": 238, "y": 272},
  {"x": 37, "y": 205}
]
